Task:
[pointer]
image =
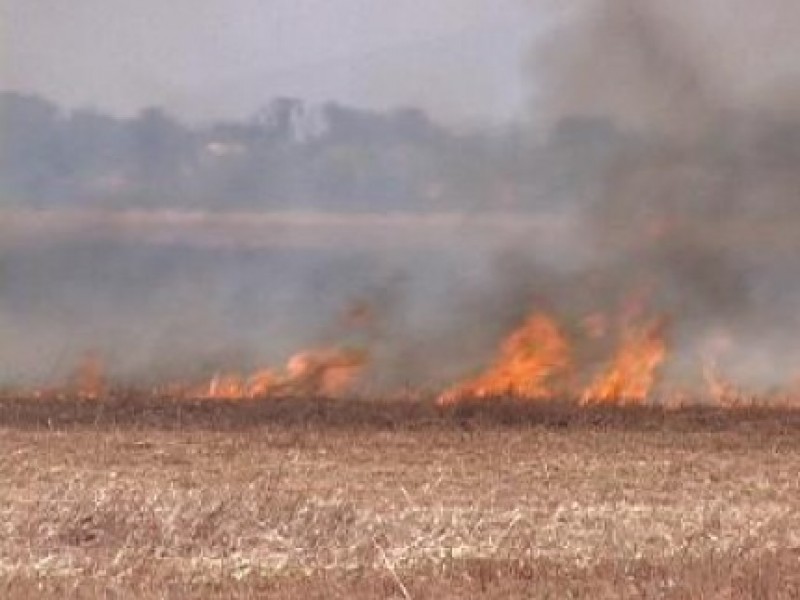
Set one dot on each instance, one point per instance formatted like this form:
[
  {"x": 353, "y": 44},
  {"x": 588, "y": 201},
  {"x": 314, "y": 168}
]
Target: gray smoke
[
  {"x": 663, "y": 160},
  {"x": 697, "y": 195},
  {"x": 674, "y": 67}
]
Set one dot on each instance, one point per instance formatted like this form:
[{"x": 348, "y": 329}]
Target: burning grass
[
  {"x": 143, "y": 497},
  {"x": 606, "y": 360}
]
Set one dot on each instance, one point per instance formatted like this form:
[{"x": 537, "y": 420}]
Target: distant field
[
  {"x": 295, "y": 229},
  {"x": 152, "y": 498}
]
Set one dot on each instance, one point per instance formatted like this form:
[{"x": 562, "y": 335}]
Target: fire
[
  {"x": 327, "y": 372},
  {"x": 531, "y": 362},
  {"x": 631, "y": 374},
  {"x": 261, "y": 383},
  {"x": 536, "y": 362},
  {"x": 226, "y": 385},
  {"x": 322, "y": 372},
  {"x": 539, "y": 360}
]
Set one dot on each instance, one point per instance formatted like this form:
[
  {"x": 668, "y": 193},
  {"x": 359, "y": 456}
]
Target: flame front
[
  {"x": 530, "y": 364},
  {"x": 328, "y": 372},
  {"x": 631, "y": 374},
  {"x": 536, "y": 362}
]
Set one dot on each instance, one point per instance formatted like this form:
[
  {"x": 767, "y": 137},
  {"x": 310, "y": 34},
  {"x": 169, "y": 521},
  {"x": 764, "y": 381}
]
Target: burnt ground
[{"x": 138, "y": 497}]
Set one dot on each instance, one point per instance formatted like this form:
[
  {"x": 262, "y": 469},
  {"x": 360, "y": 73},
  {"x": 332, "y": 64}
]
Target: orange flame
[
  {"x": 632, "y": 372},
  {"x": 326, "y": 372},
  {"x": 531, "y": 360},
  {"x": 536, "y": 362}
]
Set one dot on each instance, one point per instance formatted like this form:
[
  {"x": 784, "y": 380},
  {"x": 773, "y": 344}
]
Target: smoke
[
  {"x": 673, "y": 67},
  {"x": 702, "y": 181},
  {"x": 660, "y": 168}
]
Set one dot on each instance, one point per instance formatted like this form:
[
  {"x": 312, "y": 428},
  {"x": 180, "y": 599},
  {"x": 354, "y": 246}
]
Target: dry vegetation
[{"x": 144, "y": 498}]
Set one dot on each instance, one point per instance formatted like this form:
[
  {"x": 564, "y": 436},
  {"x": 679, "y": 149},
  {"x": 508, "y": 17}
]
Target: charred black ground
[{"x": 137, "y": 411}]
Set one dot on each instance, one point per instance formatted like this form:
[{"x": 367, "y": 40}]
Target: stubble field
[{"x": 142, "y": 498}]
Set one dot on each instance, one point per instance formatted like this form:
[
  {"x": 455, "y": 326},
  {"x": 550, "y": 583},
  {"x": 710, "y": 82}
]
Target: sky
[{"x": 461, "y": 60}]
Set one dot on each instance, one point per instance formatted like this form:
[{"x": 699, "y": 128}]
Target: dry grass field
[{"x": 145, "y": 498}]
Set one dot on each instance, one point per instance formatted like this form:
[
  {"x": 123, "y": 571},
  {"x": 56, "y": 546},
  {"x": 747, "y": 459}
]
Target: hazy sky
[{"x": 211, "y": 58}]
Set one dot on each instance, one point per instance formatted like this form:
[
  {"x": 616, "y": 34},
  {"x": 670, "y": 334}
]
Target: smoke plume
[
  {"x": 659, "y": 169},
  {"x": 696, "y": 193}
]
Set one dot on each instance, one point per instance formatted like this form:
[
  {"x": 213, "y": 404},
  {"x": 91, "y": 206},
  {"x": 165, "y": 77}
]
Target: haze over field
[
  {"x": 643, "y": 149},
  {"x": 458, "y": 59},
  {"x": 358, "y": 299}
]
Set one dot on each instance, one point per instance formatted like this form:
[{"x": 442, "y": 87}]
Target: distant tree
[{"x": 31, "y": 157}]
